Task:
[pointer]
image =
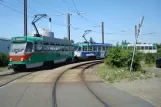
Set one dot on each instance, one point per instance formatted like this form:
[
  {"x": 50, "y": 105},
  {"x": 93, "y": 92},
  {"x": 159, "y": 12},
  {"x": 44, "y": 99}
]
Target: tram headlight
[
  {"x": 10, "y": 59},
  {"x": 21, "y": 59}
]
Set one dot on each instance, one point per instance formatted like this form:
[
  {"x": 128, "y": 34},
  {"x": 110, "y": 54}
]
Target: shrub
[
  {"x": 149, "y": 58},
  {"x": 4, "y": 59},
  {"x": 122, "y": 58},
  {"x": 136, "y": 62}
]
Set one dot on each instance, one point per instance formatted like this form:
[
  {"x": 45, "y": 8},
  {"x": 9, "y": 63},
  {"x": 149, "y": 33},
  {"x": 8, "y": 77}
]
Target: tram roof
[
  {"x": 43, "y": 39},
  {"x": 93, "y": 44}
]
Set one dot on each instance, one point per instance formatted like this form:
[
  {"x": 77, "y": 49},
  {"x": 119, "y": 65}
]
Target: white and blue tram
[{"x": 90, "y": 50}]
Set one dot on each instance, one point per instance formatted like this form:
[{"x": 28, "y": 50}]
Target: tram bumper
[{"x": 10, "y": 66}]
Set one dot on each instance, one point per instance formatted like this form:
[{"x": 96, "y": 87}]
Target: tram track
[
  {"x": 90, "y": 89},
  {"x": 8, "y": 78},
  {"x": 13, "y": 77},
  {"x": 83, "y": 67}
]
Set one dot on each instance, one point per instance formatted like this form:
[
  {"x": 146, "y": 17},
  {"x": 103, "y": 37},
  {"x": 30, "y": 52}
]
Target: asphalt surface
[
  {"x": 8, "y": 72},
  {"x": 35, "y": 90}
]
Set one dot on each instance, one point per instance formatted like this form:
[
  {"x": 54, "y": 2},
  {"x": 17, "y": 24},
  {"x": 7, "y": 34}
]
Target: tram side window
[
  {"x": 154, "y": 48},
  {"x": 38, "y": 46},
  {"x": 66, "y": 47},
  {"x": 99, "y": 48},
  {"x": 103, "y": 48},
  {"x": 124, "y": 47},
  {"x": 146, "y": 47},
  {"x": 130, "y": 47},
  {"x": 71, "y": 48},
  {"x": 61, "y": 48},
  {"x": 138, "y": 48},
  {"x": 94, "y": 48},
  {"x": 142, "y": 47},
  {"x": 150, "y": 48},
  {"x": 84, "y": 48},
  {"x": 90, "y": 48},
  {"x": 29, "y": 47},
  {"x": 79, "y": 48},
  {"x": 45, "y": 46},
  {"x": 57, "y": 47},
  {"x": 52, "y": 47}
]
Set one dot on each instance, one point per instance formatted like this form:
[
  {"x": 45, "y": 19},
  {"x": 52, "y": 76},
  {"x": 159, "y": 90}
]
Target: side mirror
[{"x": 8, "y": 47}]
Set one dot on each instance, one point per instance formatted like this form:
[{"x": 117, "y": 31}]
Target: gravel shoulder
[
  {"x": 149, "y": 90},
  {"x": 112, "y": 95}
]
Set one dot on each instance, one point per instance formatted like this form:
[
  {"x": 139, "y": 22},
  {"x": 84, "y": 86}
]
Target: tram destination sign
[{"x": 18, "y": 39}]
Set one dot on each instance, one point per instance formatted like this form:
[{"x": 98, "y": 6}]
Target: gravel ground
[{"x": 149, "y": 90}]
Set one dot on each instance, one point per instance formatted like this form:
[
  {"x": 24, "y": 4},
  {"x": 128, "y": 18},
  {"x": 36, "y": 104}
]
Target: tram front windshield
[
  {"x": 21, "y": 47},
  {"x": 75, "y": 48}
]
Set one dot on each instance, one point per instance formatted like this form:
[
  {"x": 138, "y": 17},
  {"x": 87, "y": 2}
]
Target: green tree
[
  {"x": 149, "y": 58},
  {"x": 125, "y": 42},
  {"x": 65, "y": 38},
  {"x": 4, "y": 59},
  {"x": 158, "y": 50},
  {"x": 119, "y": 57},
  {"x": 72, "y": 41}
]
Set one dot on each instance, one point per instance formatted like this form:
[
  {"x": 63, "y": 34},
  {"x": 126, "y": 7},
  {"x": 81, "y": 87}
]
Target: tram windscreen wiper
[{"x": 16, "y": 50}]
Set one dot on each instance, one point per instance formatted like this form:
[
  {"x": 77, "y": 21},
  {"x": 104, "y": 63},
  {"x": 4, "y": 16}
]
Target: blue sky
[{"x": 117, "y": 15}]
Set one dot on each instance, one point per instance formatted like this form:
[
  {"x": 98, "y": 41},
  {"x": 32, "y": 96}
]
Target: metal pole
[
  {"x": 136, "y": 36},
  {"x": 25, "y": 17},
  {"x": 68, "y": 26},
  {"x": 103, "y": 32}
]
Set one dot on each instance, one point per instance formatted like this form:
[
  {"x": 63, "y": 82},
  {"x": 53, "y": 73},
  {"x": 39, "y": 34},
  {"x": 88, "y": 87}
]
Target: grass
[
  {"x": 3, "y": 69},
  {"x": 143, "y": 64},
  {"x": 111, "y": 74}
]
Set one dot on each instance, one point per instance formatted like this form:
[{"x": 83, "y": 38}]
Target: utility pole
[
  {"x": 68, "y": 21},
  {"x": 50, "y": 24},
  {"x": 25, "y": 17},
  {"x": 103, "y": 32},
  {"x": 136, "y": 37},
  {"x": 137, "y": 32},
  {"x": 68, "y": 26}
]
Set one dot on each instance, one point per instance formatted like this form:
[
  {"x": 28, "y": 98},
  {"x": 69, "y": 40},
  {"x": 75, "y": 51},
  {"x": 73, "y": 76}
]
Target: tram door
[{"x": 102, "y": 52}]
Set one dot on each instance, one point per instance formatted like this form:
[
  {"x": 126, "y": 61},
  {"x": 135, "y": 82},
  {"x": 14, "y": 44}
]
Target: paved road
[
  {"x": 71, "y": 92},
  {"x": 6, "y": 72},
  {"x": 35, "y": 90}
]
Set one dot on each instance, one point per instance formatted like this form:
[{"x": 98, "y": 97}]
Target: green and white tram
[
  {"x": 31, "y": 52},
  {"x": 145, "y": 48}
]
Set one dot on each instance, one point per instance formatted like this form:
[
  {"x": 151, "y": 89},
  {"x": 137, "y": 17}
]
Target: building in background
[{"x": 4, "y": 45}]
